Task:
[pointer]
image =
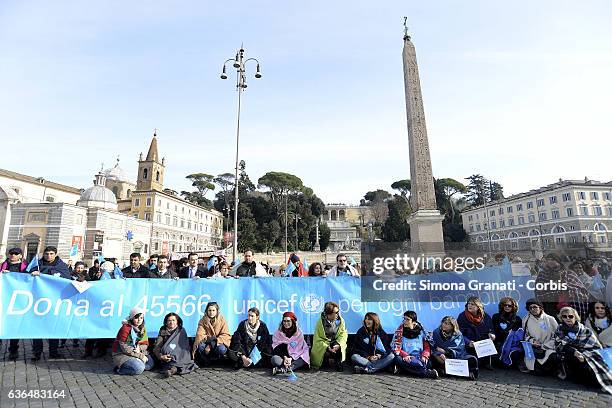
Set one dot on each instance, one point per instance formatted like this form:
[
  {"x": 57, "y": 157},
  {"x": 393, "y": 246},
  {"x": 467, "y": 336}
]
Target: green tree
[
  {"x": 202, "y": 183},
  {"x": 496, "y": 191},
  {"x": 403, "y": 187},
  {"x": 451, "y": 187},
  {"x": 396, "y": 227},
  {"x": 477, "y": 189}
]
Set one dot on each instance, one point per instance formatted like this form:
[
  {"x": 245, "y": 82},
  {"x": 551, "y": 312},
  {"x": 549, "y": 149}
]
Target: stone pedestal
[{"x": 426, "y": 232}]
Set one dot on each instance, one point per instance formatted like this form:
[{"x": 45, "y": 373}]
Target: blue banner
[{"x": 52, "y": 307}]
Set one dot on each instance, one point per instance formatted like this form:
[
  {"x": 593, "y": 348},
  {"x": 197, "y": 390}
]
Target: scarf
[
  {"x": 252, "y": 331},
  {"x": 598, "y": 325},
  {"x": 330, "y": 328},
  {"x": 475, "y": 320}
]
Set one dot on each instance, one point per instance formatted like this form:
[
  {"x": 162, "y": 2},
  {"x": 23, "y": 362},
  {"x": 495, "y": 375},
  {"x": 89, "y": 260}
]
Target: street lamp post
[
  {"x": 297, "y": 217},
  {"x": 239, "y": 63}
]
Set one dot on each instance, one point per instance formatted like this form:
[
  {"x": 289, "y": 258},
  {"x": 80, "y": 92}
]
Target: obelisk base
[{"x": 426, "y": 232}]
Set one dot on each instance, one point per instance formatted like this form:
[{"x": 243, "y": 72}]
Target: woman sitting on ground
[
  {"x": 505, "y": 322},
  {"x": 289, "y": 348},
  {"x": 539, "y": 332},
  {"x": 371, "y": 352},
  {"x": 172, "y": 347},
  {"x": 476, "y": 325},
  {"x": 448, "y": 342},
  {"x": 213, "y": 336},
  {"x": 329, "y": 340},
  {"x": 572, "y": 339},
  {"x": 600, "y": 323},
  {"x": 130, "y": 355},
  {"x": 411, "y": 348},
  {"x": 251, "y": 333}
]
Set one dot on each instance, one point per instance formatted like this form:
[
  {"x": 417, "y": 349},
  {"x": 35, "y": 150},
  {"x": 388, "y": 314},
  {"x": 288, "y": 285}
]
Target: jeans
[
  {"x": 277, "y": 361},
  {"x": 135, "y": 366},
  {"x": 37, "y": 346},
  {"x": 372, "y": 366},
  {"x": 415, "y": 366},
  {"x": 214, "y": 354}
]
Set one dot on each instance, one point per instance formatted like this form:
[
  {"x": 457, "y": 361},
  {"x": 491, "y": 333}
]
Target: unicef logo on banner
[{"x": 311, "y": 303}]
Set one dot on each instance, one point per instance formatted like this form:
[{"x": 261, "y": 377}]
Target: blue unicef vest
[{"x": 414, "y": 347}]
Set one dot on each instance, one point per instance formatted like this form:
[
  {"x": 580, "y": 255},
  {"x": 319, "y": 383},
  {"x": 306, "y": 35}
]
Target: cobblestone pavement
[{"x": 91, "y": 383}]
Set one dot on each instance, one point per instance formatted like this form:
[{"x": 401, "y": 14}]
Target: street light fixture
[{"x": 239, "y": 63}]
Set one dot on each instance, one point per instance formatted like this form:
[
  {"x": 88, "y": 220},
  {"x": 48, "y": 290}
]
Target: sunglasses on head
[{"x": 567, "y": 316}]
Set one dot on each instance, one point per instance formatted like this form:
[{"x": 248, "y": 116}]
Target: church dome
[
  {"x": 98, "y": 196},
  {"x": 117, "y": 174}
]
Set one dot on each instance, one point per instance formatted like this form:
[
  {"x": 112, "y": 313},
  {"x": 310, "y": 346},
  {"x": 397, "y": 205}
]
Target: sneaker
[
  {"x": 13, "y": 355},
  {"x": 562, "y": 374},
  {"x": 358, "y": 370},
  {"x": 274, "y": 370},
  {"x": 472, "y": 376},
  {"x": 431, "y": 374},
  {"x": 35, "y": 357},
  {"x": 523, "y": 368},
  {"x": 170, "y": 372},
  {"x": 396, "y": 369}
]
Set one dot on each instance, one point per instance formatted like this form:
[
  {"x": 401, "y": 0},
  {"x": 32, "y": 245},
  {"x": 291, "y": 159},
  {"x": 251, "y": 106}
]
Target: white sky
[{"x": 517, "y": 91}]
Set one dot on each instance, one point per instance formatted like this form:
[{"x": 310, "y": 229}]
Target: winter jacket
[
  {"x": 127, "y": 344},
  {"x": 246, "y": 270},
  {"x": 351, "y": 271},
  {"x": 473, "y": 332},
  {"x": 55, "y": 268},
  {"x": 141, "y": 272},
  {"x": 365, "y": 344},
  {"x": 242, "y": 342},
  {"x": 417, "y": 346},
  {"x": 155, "y": 274},
  {"x": 6, "y": 267},
  {"x": 542, "y": 330},
  {"x": 502, "y": 324}
]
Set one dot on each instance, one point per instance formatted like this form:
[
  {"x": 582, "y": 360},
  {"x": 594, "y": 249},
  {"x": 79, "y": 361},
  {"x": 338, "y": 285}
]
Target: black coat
[
  {"x": 362, "y": 343},
  {"x": 154, "y": 274},
  {"x": 502, "y": 326},
  {"x": 141, "y": 272},
  {"x": 200, "y": 272},
  {"x": 246, "y": 270},
  {"x": 242, "y": 342},
  {"x": 473, "y": 332}
]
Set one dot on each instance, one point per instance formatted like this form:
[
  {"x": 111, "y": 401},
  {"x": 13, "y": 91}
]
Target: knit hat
[
  {"x": 290, "y": 315},
  {"x": 294, "y": 258},
  {"x": 107, "y": 266},
  {"x": 135, "y": 311},
  {"x": 533, "y": 301}
]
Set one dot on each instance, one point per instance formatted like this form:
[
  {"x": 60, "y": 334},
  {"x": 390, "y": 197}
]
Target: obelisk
[{"x": 425, "y": 221}]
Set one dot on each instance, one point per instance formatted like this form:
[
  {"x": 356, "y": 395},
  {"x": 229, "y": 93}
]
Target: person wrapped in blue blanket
[{"x": 448, "y": 342}]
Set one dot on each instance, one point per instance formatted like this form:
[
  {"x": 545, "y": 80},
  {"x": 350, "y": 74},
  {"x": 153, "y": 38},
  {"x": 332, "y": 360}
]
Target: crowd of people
[{"x": 559, "y": 334}]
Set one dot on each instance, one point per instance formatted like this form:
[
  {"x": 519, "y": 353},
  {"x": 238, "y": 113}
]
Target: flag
[
  {"x": 211, "y": 262},
  {"x": 105, "y": 276},
  {"x": 101, "y": 259},
  {"x": 289, "y": 269},
  {"x": 305, "y": 264},
  {"x": 255, "y": 355},
  {"x": 117, "y": 272},
  {"x": 74, "y": 250},
  {"x": 528, "y": 350},
  {"x": 352, "y": 260},
  {"x": 152, "y": 266},
  {"x": 379, "y": 344},
  {"x": 292, "y": 376},
  {"x": 33, "y": 264}
]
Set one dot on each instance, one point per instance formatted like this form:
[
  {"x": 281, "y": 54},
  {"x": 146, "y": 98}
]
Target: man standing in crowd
[
  {"x": 248, "y": 267},
  {"x": 135, "y": 269},
  {"x": 162, "y": 271},
  {"x": 14, "y": 263},
  {"x": 193, "y": 270},
  {"x": 51, "y": 264},
  {"x": 94, "y": 272},
  {"x": 342, "y": 267},
  {"x": 152, "y": 263}
]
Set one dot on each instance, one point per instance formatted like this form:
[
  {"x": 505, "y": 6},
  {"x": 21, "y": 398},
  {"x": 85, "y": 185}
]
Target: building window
[
  {"x": 471, "y": 228},
  {"x": 477, "y": 227},
  {"x": 157, "y": 176},
  {"x": 597, "y": 210},
  {"x": 145, "y": 173},
  {"x": 519, "y": 207},
  {"x": 510, "y": 222},
  {"x": 552, "y": 199},
  {"x": 148, "y": 201},
  {"x": 521, "y": 220},
  {"x": 137, "y": 202},
  {"x": 531, "y": 218},
  {"x": 182, "y": 223},
  {"x": 584, "y": 210},
  {"x": 509, "y": 209},
  {"x": 469, "y": 218},
  {"x": 167, "y": 206},
  {"x": 175, "y": 221},
  {"x": 610, "y": 211},
  {"x": 50, "y": 199},
  {"x": 607, "y": 196},
  {"x": 136, "y": 215},
  {"x": 493, "y": 225},
  {"x": 581, "y": 195},
  {"x": 500, "y": 211},
  {"x": 168, "y": 219},
  {"x": 476, "y": 216},
  {"x": 540, "y": 202},
  {"x": 602, "y": 239},
  {"x": 158, "y": 217},
  {"x": 188, "y": 224},
  {"x": 492, "y": 213},
  {"x": 502, "y": 223},
  {"x": 542, "y": 216},
  {"x": 148, "y": 216},
  {"x": 529, "y": 205},
  {"x": 567, "y": 196},
  {"x": 594, "y": 195},
  {"x": 156, "y": 246},
  {"x": 569, "y": 212},
  {"x": 555, "y": 214},
  {"x": 560, "y": 240}
]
